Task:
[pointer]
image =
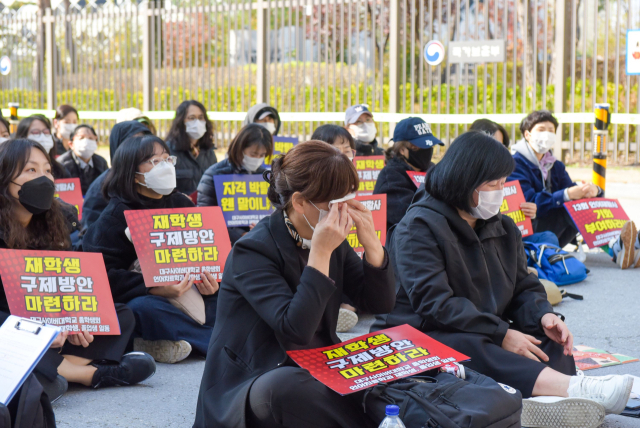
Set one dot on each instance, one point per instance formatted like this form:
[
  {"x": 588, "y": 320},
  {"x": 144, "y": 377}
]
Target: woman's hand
[
  {"x": 590, "y": 190},
  {"x": 523, "y": 344},
  {"x": 83, "y": 339},
  {"x": 174, "y": 291},
  {"x": 60, "y": 339},
  {"x": 529, "y": 209},
  {"x": 209, "y": 285},
  {"x": 329, "y": 233},
  {"x": 576, "y": 192},
  {"x": 557, "y": 330},
  {"x": 366, "y": 232}
]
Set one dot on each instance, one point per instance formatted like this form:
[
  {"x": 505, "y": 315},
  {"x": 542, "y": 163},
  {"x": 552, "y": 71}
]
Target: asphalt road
[{"x": 607, "y": 318}]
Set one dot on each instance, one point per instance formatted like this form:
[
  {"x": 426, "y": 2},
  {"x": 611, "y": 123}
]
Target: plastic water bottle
[{"x": 392, "y": 420}]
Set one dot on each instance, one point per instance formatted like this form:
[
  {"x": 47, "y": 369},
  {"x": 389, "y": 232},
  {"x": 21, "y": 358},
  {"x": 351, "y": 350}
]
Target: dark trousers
[
  {"x": 290, "y": 397},
  {"x": 559, "y": 222},
  {"x": 504, "y": 366},
  {"x": 158, "y": 319}
]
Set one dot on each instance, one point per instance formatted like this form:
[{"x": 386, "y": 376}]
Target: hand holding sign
[{"x": 175, "y": 290}]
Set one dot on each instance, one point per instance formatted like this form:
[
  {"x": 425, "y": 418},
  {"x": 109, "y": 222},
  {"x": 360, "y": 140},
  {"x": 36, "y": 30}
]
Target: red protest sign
[
  {"x": 377, "y": 357},
  {"x": 368, "y": 168},
  {"x": 69, "y": 190},
  {"x": 599, "y": 220},
  {"x": 377, "y": 204},
  {"x": 63, "y": 288},
  {"x": 513, "y": 198},
  {"x": 171, "y": 242},
  {"x": 417, "y": 177}
]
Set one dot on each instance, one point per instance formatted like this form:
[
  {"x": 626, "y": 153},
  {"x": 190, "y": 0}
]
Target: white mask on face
[
  {"x": 306, "y": 243},
  {"x": 252, "y": 164},
  {"x": 85, "y": 148},
  {"x": 3, "y": 140},
  {"x": 270, "y": 126},
  {"x": 45, "y": 140},
  {"x": 161, "y": 179},
  {"x": 542, "y": 142},
  {"x": 196, "y": 129},
  {"x": 489, "y": 203},
  {"x": 66, "y": 129},
  {"x": 366, "y": 132}
]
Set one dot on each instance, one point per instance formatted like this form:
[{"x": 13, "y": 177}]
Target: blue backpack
[{"x": 555, "y": 264}]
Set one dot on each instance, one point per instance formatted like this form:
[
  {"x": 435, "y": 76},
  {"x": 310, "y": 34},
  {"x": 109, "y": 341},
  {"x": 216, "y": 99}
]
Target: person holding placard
[
  {"x": 281, "y": 291},
  {"x": 143, "y": 176},
  {"x": 81, "y": 160},
  {"x": 247, "y": 153},
  {"x": 544, "y": 179},
  {"x": 463, "y": 280},
  {"x": 31, "y": 218}
]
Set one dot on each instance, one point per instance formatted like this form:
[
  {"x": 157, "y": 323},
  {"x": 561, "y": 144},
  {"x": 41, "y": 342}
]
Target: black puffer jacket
[
  {"x": 189, "y": 170},
  {"x": 368, "y": 149}
]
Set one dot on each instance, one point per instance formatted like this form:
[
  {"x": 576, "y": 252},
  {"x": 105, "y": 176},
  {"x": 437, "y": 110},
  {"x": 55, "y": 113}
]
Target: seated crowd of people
[{"x": 452, "y": 267}]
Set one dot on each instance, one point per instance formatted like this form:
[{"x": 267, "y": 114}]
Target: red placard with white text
[
  {"x": 377, "y": 204},
  {"x": 62, "y": 288},
  {"x": 417, "y": 177},
  {"x": 368, "y": 168},
  {"x": 172, "y": 242},
  {"x": 599, "y": 220},
  {"x": 382, "y": 356},
  {"x": 69, "y": 190},
  {"x": 513, "y": 198}
]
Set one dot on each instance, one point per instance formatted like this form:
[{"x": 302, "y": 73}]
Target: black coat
[
  {"x": 453, "y": 278},
  {"x": 399, "y": 188},
  {"x": 264, "y": 301},
  {"x": 189, "y": 170},
  {"x": 72, "y": 166},
  {"x": 107, "y": 236},
  {"x": 207, "y": 191},
  {"x": 368, "y": 149}
]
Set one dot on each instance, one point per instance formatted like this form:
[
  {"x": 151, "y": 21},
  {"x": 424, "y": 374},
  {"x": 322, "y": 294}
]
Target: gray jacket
[{"x": 254, "y": 113}]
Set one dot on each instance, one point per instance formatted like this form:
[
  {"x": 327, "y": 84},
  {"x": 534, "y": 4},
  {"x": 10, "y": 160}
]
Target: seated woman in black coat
[
  {"x": 81, "y": 161},
  {"x": 412, "y": 151},
  {"x": 31, "y": 218},
  {"x": 247, "y": 152},
  {"x": 143, "y": 177},
  {"x": 281, "y": 291},
  {"x": 463, "y": 280}
]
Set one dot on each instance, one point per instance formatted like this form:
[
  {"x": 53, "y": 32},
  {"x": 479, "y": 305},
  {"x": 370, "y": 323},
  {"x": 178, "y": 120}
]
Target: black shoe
[
  {"x": 54, "y": 389},
  {"x": 133, "y": 368}
]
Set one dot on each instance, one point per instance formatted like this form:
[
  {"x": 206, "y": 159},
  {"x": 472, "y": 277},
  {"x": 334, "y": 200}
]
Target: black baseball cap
[{"x": 417, "y": 132}]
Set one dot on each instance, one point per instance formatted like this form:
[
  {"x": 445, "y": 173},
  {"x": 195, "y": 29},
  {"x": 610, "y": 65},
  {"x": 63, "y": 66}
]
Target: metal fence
[{"x": 320, "y": 56}]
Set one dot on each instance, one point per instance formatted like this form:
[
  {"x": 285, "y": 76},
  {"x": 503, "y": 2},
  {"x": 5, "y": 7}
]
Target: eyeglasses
[
  {"x": 171, "y": 160},
  {"x": 37, "y": 133}
]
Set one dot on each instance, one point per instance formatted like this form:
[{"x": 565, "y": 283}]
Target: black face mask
[
  {"x": 420, "y": 158},
  {"x": 37, "y": 195}
]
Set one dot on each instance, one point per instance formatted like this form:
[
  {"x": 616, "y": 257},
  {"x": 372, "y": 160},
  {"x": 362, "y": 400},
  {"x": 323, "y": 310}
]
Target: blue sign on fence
[{"x": 243, "y": 198}]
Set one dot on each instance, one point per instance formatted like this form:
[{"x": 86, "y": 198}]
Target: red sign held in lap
[
  {"x": 67, "y": 289},
  {"x": 599, "y": 220},
  {"x": 513, "y": 198},
  {"x": 383, "y": 356},
  {"x": 69, "y": 190},
  {"x": 172, "y": 242}
]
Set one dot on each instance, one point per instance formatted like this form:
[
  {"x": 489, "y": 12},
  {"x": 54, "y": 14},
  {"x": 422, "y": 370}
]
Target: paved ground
[{"x": 608, "y": 317}]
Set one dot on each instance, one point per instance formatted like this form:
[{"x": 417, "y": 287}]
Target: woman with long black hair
[{"x": 32, "y": 219}]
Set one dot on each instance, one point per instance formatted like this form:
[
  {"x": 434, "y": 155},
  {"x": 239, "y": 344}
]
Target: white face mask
[
  {"x": 542, "y": 142},
  {"x": 489, "y": 203},
  {"x": 323, "y": 213},
  {"x": 365, "y": 133},
  {"x": 270, "y": 126},
  {"x": 66, "y": 129},
  {"x": 161, "y": 179},
  {"x": 196, "y": 129},
  {"x": 3, "y": 140},
  {"x": 85, "y": 148},
  {"x": 45, "y": 140},
  {"x": 252, "y": 164}
]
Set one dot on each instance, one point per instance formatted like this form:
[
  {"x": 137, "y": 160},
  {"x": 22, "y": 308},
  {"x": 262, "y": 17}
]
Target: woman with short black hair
[
  {"x": 38, "y": 128},
  {"x": 247, "y": 153},
  {"x": 190, "y": 139},
  {"x": 31, "y": 218},
  {"x": 81, "y": 161},
  {"x": 281, "y": 291},
  {"x": 64, "y": 123},
  {"x": 492, "y": 129},
  {"x": 338, "y": 137},
  {"x": 143, "y": 177},
  {"x": 463, "y": 280}
]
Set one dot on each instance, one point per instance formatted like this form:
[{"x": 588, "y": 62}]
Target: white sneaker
[
  {"x": 346, "y": 320},
  {"x": 559, "y": 412},
  {"x": 163, "y": 351},
  {"x": 611, "y": 391}
]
